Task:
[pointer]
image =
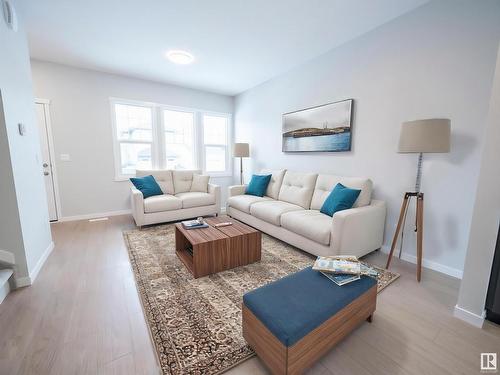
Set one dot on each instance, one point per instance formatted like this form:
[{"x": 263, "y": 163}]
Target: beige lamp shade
[
  {"x": 430, "y": 135},
  {"x": 241, "y": 150}
]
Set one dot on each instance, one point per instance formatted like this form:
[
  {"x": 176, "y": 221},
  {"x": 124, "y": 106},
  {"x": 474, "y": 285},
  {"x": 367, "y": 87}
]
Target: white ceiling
[{"x": 237, "y": 44}]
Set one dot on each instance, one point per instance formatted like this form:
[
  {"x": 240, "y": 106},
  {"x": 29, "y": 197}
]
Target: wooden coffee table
[{"x": 210, "y": 250}]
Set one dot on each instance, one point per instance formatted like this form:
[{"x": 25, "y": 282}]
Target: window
[
  {"x": 215, "y": 143},
  {"x": 179, "y": 138},
  {"x": 134, "y": 133},
  {"x": 153, "y": 136}
]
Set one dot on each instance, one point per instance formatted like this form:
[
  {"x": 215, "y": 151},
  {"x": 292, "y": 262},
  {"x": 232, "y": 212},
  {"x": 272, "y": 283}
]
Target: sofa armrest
[
  {"x": 137, "y": 202},
  {"x": 215, "y": 190},
  {"x": 236, "y": 190},
  {"x": 360, "y": 230}
]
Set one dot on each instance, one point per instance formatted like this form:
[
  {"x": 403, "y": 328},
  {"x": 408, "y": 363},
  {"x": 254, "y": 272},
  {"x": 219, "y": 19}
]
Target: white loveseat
[
  {"x": 290, "y": 211},
  {"x": 178, "y": 201}
]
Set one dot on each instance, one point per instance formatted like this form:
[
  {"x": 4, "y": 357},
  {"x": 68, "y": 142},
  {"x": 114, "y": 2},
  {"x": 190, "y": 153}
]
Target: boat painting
[{"x": 325, "y": 128}]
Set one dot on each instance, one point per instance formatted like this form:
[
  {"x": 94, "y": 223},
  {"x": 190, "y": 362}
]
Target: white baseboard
[
  {"x": 428, "y": 264},
  {"x": 467, "y": 316},
  {"x": 29, "y": 280},
  {"x": 36, "y": 270},
  {"x": 94, "y": 216},
  {"x": 22, "y": 281}
]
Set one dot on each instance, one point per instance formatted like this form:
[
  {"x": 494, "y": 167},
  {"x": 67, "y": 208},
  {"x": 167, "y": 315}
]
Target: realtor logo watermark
[{"x": 489, "y": 362}]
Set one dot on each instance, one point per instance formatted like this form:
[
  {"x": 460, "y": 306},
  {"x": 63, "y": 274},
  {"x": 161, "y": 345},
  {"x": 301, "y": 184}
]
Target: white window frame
[
  {"x": 158, "y": 141},
  {"x": 228, "y": 144}
]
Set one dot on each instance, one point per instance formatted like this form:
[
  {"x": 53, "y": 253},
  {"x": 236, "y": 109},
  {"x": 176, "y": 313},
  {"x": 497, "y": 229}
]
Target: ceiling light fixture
[{"x": 180, "y": 57}]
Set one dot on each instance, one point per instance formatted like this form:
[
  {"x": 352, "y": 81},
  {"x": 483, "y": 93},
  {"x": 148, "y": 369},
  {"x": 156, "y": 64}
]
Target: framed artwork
[{"x": 325, "y": 128}]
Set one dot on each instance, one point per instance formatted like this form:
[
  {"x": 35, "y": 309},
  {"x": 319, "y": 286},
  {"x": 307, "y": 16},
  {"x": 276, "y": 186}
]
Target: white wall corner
[
  {"x": 469, "y": 317},
  {"x": 454, "y": 272},
  {"x": 36, "y": 270},
  {"x": 21, "y": 282}
]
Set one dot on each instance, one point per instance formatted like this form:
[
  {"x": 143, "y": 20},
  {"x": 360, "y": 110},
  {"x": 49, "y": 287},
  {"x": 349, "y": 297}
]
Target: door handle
[
  {"x": 45, "y": 173},
  {"x": 45, "y": 165}
]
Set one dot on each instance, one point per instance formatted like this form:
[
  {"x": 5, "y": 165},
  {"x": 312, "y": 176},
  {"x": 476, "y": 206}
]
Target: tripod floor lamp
[
  {"x": 241, "y": 150},
  {"x": 420, "y": 136}
]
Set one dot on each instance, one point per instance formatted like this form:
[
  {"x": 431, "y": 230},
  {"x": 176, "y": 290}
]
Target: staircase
[
  {"x": 7, "y": 261},
  {"x": 5, "y": 280}
]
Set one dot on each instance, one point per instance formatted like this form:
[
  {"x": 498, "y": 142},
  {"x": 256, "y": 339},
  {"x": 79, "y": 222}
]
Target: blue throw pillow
[
  {"x": 147, "y": 185},
  {"x": 341, "y": 198},
  {"x": 258, "y": 185}
]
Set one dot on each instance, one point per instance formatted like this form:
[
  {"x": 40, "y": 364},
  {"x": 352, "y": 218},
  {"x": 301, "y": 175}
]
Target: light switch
[{"x": 65, "y": 157}]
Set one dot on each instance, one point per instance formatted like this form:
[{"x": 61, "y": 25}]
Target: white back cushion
[
  {"x": 326, "y": 182},
  {"x": 273, "y": 189},
  {"x": 200, "y": 183},
  {"x": 297, "y": 188},
  {"x": 163, "y": 177},
  {"x": 183, "y": 180}
]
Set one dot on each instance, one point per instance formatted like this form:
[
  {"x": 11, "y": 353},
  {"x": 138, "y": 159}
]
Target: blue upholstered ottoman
[{"x": 292, "y": 322}]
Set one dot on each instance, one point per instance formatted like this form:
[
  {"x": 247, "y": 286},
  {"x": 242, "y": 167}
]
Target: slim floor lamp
[
  {"x": 241, "y": 150},
  {"x": 420, "y": 136}
]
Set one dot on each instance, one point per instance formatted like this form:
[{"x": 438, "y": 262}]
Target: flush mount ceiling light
[{"x": 180, "y": 57}]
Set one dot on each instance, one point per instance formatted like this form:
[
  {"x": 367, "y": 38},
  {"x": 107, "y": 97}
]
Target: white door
[{"x": 48, "y": 175}]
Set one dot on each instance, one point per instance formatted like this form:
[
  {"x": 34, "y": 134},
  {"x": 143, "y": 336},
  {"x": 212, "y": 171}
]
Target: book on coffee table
[
  {"x": 194, "y": 224},
  {"x": 338, "y": 265},
  {"x": 341, "y": 279}
]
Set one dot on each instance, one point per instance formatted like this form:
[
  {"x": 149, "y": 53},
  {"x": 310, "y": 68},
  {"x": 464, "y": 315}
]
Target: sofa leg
[{"x": 370, "y": 319}]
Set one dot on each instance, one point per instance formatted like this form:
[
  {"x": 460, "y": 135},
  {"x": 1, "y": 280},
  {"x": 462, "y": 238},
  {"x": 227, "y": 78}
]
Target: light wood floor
[{"x": 83, "y": 316}]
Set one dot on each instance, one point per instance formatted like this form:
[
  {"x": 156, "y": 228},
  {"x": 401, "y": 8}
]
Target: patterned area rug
[{"x": 196, "y": 323}]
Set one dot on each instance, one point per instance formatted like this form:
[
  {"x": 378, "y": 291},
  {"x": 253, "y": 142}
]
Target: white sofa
[
  {"x": 290, "y": 211},
  {"x": 178, "y": 201}
]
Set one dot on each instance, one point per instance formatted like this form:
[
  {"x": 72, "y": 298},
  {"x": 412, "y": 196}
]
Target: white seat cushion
[
  {"x": 243, "y": 202},
  {"x": 196, "y": 199},
  {"x": 311, "y": 224},
  {"x": 160, "y": 203},
  {"x": 272, "y": 210}
]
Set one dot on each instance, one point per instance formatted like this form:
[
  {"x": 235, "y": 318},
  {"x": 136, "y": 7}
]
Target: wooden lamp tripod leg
[
  {"x": 420, "y": 233},
  {"x": 398, "y": 228}
]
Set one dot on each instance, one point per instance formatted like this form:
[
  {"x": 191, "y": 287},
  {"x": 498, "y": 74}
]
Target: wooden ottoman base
[{"x": 283, "y": 360}]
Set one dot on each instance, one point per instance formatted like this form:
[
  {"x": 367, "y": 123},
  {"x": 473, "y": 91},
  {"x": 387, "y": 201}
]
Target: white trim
[
  {"x": 22, "y": 281},
  {"x": 95, "y": 215},
  {"x": 29, "y": 280},
  {"x": 5, "y": 281},
  {"x": 42, "y": 101},
  {"x": 469, "y": 317},
  {"x": 428, "y": 264},
  {"x": 36, "y": 270},
  {"x": 7, "y": 257},
  {"x": 52, "y": 155}
]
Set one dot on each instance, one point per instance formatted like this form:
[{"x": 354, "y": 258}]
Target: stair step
[{"x": 5, "y": 275}]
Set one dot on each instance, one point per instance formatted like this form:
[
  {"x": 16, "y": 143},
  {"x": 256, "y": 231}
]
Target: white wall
[
  {"x": 24, "y": 223},
  {"x": 437, "y": 61},
  {"x": 485, "y": 219},
  {"x": 81, "y": 127}
]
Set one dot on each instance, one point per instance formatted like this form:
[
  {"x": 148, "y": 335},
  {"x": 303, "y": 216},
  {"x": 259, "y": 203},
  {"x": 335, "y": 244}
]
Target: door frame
[{"x": 50, "y": 140}]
